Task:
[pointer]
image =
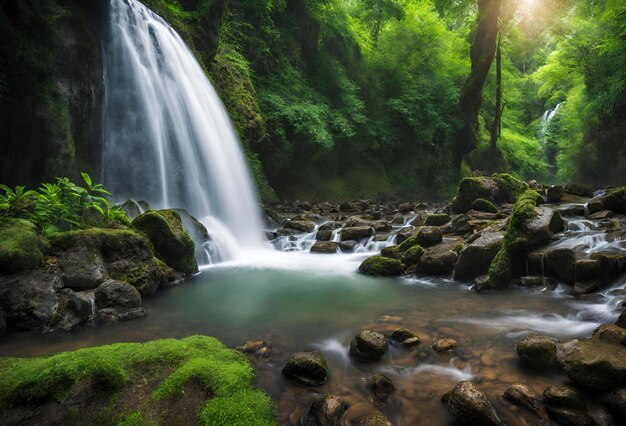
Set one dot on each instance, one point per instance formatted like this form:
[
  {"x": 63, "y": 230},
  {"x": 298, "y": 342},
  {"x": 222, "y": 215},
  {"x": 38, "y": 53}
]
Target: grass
[{"x": 223, "y": 374}]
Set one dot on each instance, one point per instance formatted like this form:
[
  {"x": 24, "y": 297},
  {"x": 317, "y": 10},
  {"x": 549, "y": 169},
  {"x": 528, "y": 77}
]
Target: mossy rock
[
  {"x": 514, "y": 185},
  {"x": 392, "y": 252},
  {"x": 437, "y": 219},
  {"x": 98, "y": 384},
  {"x": 382, "y": 266},
  {"x": 307, "y": 368},
  {"x": 172, "y": 243},
  {"x": 413, "y": 255},
  {"x": 484, "y": 206},
  {"x": 20, "y": 245},
  {"x": 425, "y": 236},
  {"x": 500, "y": 187}
]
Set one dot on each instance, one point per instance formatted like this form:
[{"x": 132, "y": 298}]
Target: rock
[
  {"x": 538, "y": 351},
  {"x": 83, "y": 266},
  {"x": 611, "y": 333},
  {"x": 577, "y": 189},
  {"x": 165, "y": 230},
  {"x": 481, "y": 283},
  {"x": 381, "y": 266},
  {"x": 541, "y": 282},
  {"x": 470, "y": 406},
  {"x": 113, "y": 315},
  {"x": 404, "y": 207},
  {"x": 569, "y": 416},
  {"x": 426, "y": 236},
  {"x": 521, "y": 395},
  {"x": 614, "y": 200},
  {"x": 559, "y": 263},
  {"x": 483, "y": 205},
  {"x": 20, "y": 245},
  {"x": 356, "y": 232},
  {"x": 588, "y": 269},
  {"x": 347, "y": 206},
  {"x": 621, "y": 321},
  {"x": 375, "y": 420},
  {"x": 475, "y": 258},
  {"x": 381, "y": 387},
  {"x": 413, "y": 255},
  {"x": 348, "y": 246},
  {"x": 326, "y": 410},
  {"x": 325, "y": 235},
  {"x": 444, "y": 344},
  {"x": 392, "y": 252},
  {"x": 72, "y": 312},
  {"x": 131, "y": 209},
  {"x": 252, "y": 346},
  {"x": 555, "y": 193},
  {"x": 307, "y": 368},
  {"x": 112, "y": 293},
  {"x": 200, "y": 235},
  {"x": 405, "y": 337},
  {"x": 438, "y": 219},
  {"x": 325, "y": 247},
  {"x": 461, "y": 224},
  {"x": 128, "y": 256},
  {"x": 300, "y": 225},
  {"x": 575, "y": 210},
  {"x": 472, "y": 188},
  {"x": 617, "y": 401},
  {"x": 537, "y": 231},
  {"x": 565, "y": 396},
  {"x": 601, "y": 215},
  {"x": 368, "y": 345},
  {"x": 594, "y": 363},
  {"x": 439, "y": 260}
]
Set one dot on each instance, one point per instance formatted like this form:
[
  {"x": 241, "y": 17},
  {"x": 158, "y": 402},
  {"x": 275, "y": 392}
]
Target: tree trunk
[
  {"x": 481, "y": 54},
  {"x": 496, "y": 125}
]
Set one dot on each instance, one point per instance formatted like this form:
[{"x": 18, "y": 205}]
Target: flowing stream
[{"x": 167, "y": 136}]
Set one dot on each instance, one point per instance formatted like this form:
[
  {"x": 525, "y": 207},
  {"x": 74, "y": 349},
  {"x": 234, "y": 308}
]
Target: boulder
[
  {"x": 307, "y": 368},
  {"x": 439, "y": 260},
  {"x": 483, "y": 205},
  {"x": 165, "y": 231},
  {"x": 114, "y": 315},
  {"x": 381, "y": 387},
  {"x": 426, "y": 236},
  {"x": 20, "y": 245},
  {"x": 475, "y": 258},
  {"x": 83, "y": 266},
  {"x": 131, "y": 208},
  {"x": 405, "y": 337},
  {"x": 470, "y": 406},
  {"x": 537, "y": 231},
  {"x": 521, "y": 395},
  {"x": 614, "y": 200},
  {"x": 472, "y": 188},
  {"x": 569, "y": 416},
  {"x": 565, "y": 396},
  {"x": 437, "y": 219},
  {"x": 601, "y": 215},
  {"x": 594, "y": 363},
  {"x": 112, "y": 293},
  {"x": 325, "y": 235},
  {"x": 560, "y": 264},
  {"x": 444, "y": 344},
  {"x": 200, "y": 235},
  {"x": 325, "y": 247},
  {"x": 578, "y": 189},
  {"x": 381, "y": 266},
  {"x": 356, "y": 232},
  {"x": 413, "y": 255},
  {"x": 392, "y": 252},
  {"x": 555, "y": 193},
  {"x": 326, "y": 410},
  {"x": 374, "y": 420},
  {"x": 621, "y": 321},
  {"x": 368, "y": 345},
  {"x": 538, "y": 351},
  {"x": 617, "y": 401},
  {"x": 72, "y": 312},
  {"x": 611, "y": 333},
  {"x": 300, "y": 225}
]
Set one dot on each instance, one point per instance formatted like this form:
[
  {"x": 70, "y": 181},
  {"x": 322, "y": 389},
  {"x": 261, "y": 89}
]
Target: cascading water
[
  {"x": 546, "y": 119},
  {"x": 167, "y": 136}
]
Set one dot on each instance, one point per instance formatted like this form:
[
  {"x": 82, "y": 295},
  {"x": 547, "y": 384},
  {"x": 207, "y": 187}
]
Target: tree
[
  {"x": 377, "y": 12},
  {"x": 482, "y": 53}
]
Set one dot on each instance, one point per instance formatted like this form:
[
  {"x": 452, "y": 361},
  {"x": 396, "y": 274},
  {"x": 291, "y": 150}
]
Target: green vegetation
[
  {"x": 194, "y": 367},
  {"x": 62, "y": 205},
  {"x": 383, "y": 266},
  {"x": 483, "y": 205},
  {"x": 20, "y": 246}
]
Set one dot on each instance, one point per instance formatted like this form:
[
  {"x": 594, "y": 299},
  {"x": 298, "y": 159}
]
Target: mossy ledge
[{"x": 192, "y": 380}]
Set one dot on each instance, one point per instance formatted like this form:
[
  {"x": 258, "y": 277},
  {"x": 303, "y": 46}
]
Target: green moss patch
[
  {"x": 139, "y": 383},
  {"x": 383, "y": 266},
  {"x": 484, "y": 206},
  {"x": 516, "y": 186},
  {"x": 20, "y": 246}
]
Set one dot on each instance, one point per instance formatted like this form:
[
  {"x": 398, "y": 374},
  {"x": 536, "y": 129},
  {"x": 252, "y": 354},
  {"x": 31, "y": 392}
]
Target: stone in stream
[
  {"x": 470, "y": 406},
  {"x": 483, "y": 205},
  {"x": 300, "y": 225},
  {"x": 559, "y": 263},
  {"x": 368, "y": 345},
  {"x": 413, "y": 255},
  {"x": 437, "y": 219},
  {"x": 307, "y": 368},
  {"x": 565, "y": 396},
  {"x": 621, "y": 321},
  {"x": 617, "y": 401},
  {"x": 112, "y": 293},
  {"x": 537, "y": 231},
  {"x": 538, "y": 351},
  {"x": 326, "y": 410},
  {"x": 601, "y": 215},
  {"x": 356, "y": 232},
  {"x": 444, "y": 344},
  {"x": 374, "y": 420},
  {"x": 381, "y": 387},
  {"x": 578, "y": 189},
  {"x": 521, "y": 395},
  {"x": 325, "y": 247},
  {"x": 405, "y": 337},
  {"x": 476, "y": 257},
  {"x": 440, "y": 260},
  {"x": 113, "y": 315},
  {"x": 611, "y": 333},
  {"x": 392, "y": 252},
  {"x": 382, "y": 266},
  {"x": 555, "y": 193}
]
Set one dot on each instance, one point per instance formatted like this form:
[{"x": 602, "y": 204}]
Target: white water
[
  {"x": 167, "y": 136},
  {"x": 546, "y": 119}
]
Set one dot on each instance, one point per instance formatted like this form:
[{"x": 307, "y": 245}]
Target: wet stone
[
  {"x": 368, "y": 345},
  {"x": 444, "y": 344},
  {"x": 327, "y": 410},
  {"x": 521, "y": 395},
  {"x": 307, "y": 368},
  {"x": 381, "y": 387}
]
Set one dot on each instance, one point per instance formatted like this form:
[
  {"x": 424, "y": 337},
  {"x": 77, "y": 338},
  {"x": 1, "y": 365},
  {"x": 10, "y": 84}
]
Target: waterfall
[
  {"x": 546, "y": 119},
  {"x": 167, "y": 137}
]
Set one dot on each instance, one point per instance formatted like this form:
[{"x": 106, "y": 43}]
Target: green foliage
[
  {"x": 222, "y": 372},
  {"x": 20, "y": 246},
  {"x": 381, "y": 266},
  {"x": 60, "y": 205}
]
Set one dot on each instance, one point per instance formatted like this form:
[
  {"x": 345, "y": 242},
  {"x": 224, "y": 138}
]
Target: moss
[
  {"x": 437, "y": 219},
  {"x": 379, "y": 265},
  {"x": 173, "y": 244},
  {"x": 516, "y": 186},
  {"x": 413, "y": 255},
  {"x": 223, "y": 372},
  {"x": 20, "y": 246},
  {"x": 500, "y": 270},
  {"x": 413, "y": 240},
  {"x": 470, "y": 189},
  {"x": 392, "y": 252},
  {"x": 484, "y": 206}
]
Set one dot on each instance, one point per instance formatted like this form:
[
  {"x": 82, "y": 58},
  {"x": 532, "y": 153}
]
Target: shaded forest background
[{"x": 339, "y": 98}]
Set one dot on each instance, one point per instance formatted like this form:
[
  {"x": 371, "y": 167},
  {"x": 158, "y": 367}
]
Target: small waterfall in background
[
  {"x": 167, "y": 136},
  {"x": 546, "y": 119}
]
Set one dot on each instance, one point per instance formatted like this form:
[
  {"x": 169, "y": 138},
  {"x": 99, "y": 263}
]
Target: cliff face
[{"x": 50, "y": 88}]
